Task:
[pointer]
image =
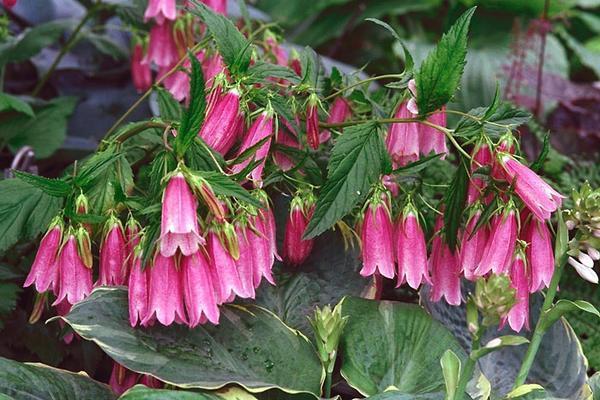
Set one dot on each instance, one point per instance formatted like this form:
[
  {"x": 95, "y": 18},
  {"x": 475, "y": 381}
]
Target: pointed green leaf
[
  {"x": 10, "y": 102},
  {"x": 261, "y": 71},
  {"x": 53, "y": 187},
  {"x": 565, "y": 306},
  {"x": 505, "y": 117},
  {"x": 194, "y": 115},
  {"x": 455, "y": 201},
  {"x": 451, "y": 370},
  {"x": 499, "y": 343},
  {"x": 169, "y": 108},
  {"x": 439, "y": 75},
  {"x": 224, "y": 186},
  {"x": 541, "y": 158}
]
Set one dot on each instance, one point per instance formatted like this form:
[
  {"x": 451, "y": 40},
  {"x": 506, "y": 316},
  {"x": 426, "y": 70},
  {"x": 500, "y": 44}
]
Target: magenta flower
[
  {"x": 138, "y": 291},
  {"x": 245, "y": 262},
  {"x": 162, "y": 49},
  {"x": 472, "y": 246},
  {"x": 402, "y": 140},
  {"x": 482, "y": 157},
  {"x": 219, "y": 6},
  {"x": 411, "y": 250},
  {"x": 431, "y": 139},
  {"x": 537, "y": 195},
  {"x": 498, "y": 253},
  {"x": 44, "y": 270},
  {"x": 268, "y": 218},
  {"x": 540, "y": 255},
  {"x": 113, "y": 255},
  {"x": 132, "y": 239},
  {"x": 262, "y": 128},
  {"x": 198, "y": 290},
  {"x": 223, "y": 122},
  {"x": 74, "y": 278},
  {"x": 140, "y": 72},
  {"x": 377, "y": 236},
  {"x": 312, "y": 121},
  {"x": 263, "y": 256},
  {"x": 226, "y": 279},
  {"x": 160, "y": 10},
  {"x": 445, "y": 271},
  {"x": 165, "y": 292},
  {"x": 339, "y": 112},
  {"x": 285, "y": 137},
  {"x": 296, "y": 249},
  {"x": 179, "y": 221},
  {"x": 121, "y": 379},
  {"x": 177, "y": 83},
  {"x": 518, "y": 316},
  {"x": 212, "y": 65}
]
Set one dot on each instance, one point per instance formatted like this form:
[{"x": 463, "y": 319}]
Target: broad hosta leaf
[
  {"x": 396, "y": 395},
  {"x": 560, "y": 366},
  {"x": 506, "y": 117},
  {"x": 45, "y": 132},
  {"x": 25, "y": 211},
  {"x": 10, "y": 102},
  {"x": 594, "y": 383},
  {"x": 250, "y": 347},
  {"x": 194, "y": 115},
  {"x": 53, "y": 187},
  {"x": 38, "y": 381},
  {"x": 357, "y": 160},
  {"x": 233, "y": 46},
  {"x": 439, "y": 75},
  {"x": 141, "y": 392},
  {"x": 393, "y": 344}
]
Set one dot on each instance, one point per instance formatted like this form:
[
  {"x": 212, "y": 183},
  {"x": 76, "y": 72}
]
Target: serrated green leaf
[
  {"x": 417, "y": 165},
  {"x": 439, "y": 75},
  {"x": 506, "y": 117},
  {"x": 169, "y": 108},
  {"x": 357, "y": 160},
  {"x": 309, "y": 61},
  {"x": 455, "y": 201},
  {"x": 200, "y": 156},
  {"x": 53, "y": 187},
  {"x": 194, "y": 115},
  {"x": 10, "y": 102},
  {"x": 260, "y": 71},
  {"x": 25, "y": 211},
  {"x": 541, "y": 158},
  {"x": 224, "y": 186},
  {"x": 95, "y": 166},
  {"x": 235, "y": 49}
]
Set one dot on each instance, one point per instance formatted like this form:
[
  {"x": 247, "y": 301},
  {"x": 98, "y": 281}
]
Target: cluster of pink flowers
[{"x": 515, "y": 242}]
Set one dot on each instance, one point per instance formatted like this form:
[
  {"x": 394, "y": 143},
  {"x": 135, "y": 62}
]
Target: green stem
[
  {"x": 371, "y": 79},
  {"x": 539, "y": 331},
  {"x": 64, "y": 50},
  {"x": 327, "y": 388},
  {"x": 466, "y": 372},
  {"x": 139, "y": 129}
]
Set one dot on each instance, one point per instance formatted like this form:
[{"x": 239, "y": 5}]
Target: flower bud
[
  {"x": 312, "y": 121},
  {"x": 493, "y": 297},
  {"x": 296, "y": 249},
  {"x": 84, "y": 246},
  {"x": 328, "y": 326}
]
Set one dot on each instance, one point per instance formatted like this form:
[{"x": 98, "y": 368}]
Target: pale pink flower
[
  {"x": 223, "y": 122},
  {"x": 518, "y": 316},
  {"x": 263, "y": 256},
  {"x": 411, "y": 250},
  {"x": 445, "y": 270},
  {"x": 137, "y": 291},
  {"x": 245, "y": 262},
  {"x": 482, "y": 157},
  {"x": 262, "y": 128},
  {"x": 402, "y": 140},
  {"x": 219, "y": 6},
  {"x": 540, "y": 255},
  {"x": 537, "y": 195},
  {"x": 162, "y": 49},
  {"x": 472, "y": 246},
  {"x": 377, "y": 237},
  {"x": 179, "y": 222},
  {"x": 498, "y": 253},
  {"x": 431, "y": 139},
  {"x": 113, "y": 256},
  {"x": 165, "y": 292},
  {"x": 74, "y": 278},
  {"x": 160, "y": 10},
  {"x": 198, "y": 290},
  {"x": 44, "y": 270},
  {"x": 177, "y": 83},
  {"x": 226, "y": 280},
  {"x": 339, "y": 112},
  {"x": 296, "y": 249}
]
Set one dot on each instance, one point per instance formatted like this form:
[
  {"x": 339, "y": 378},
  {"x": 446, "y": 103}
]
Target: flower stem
[
  {"x": 466, "y": 372},
  {"x": 327, "y": 388},
  {"x": 539, "y": 331},
  {"x": 355, "y": 84},
  {"x": 64, "y": 50}
]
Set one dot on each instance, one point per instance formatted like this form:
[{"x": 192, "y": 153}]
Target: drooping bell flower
[
  {"x": 179, "y": 222},
  {"x": 198, "y": 290},
  {"x": 518, "y": 316},
  {"x": 500, "y": 247},
  {"x": 540, "y": 255},
  {"x": 44, "y": 270},
  {"x": 113, "y": 255},
  {"x": 402, "y": 141},
  {"x": 537, "y": 195},
  {"x": 226, "y": 281},
  {"x": 160, "y": 10},
  {"x": 165, "y": 292},
  {"x": 285, "y": 139},
  {"x": 472, "y": 245},
  {"x": 222, "y": 123},
  {"x": 121, "y": 379},
  {"x": 411, "y": 249},
  {"x": 445, "y": 270},
  {"x": 312, "y": 121},
  {"x": 245, "y": 262},
  {"x": 296, "y": 249},
  {"x": 268, "y": 218},
  {"x": 339, "y": 112},
  {"x": 218, "y": 6},
  {"x": 177, "y": 83},
  {"x": 74, "y": 277},
  {"x": 263, "y": 256},
  {"x": 432, "y": 139},
  {"x": 132, "y": 239},
  {"x": 137, "y": 291},
  {"x": 482, "y": 156},
  {"x": 377, "y": 237},
  {"x": 261, "y": 129},
  {"x": 141, "y": 74},
  {"x": 162, "y": 49}
]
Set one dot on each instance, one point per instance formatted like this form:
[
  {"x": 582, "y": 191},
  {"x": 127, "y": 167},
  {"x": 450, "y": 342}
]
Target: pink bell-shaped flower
[
  {"x": 432, "y": 139},
  {"x": 162, "y": 49},
  {"x": 198, "y": 290},
  {"x": 312, "y": 121},
  {"x": 179, "y": 222},
  {"x": 537, "y": 195},
  {"x": 339, "y": 112},
  {"x": 74, "y": 277},
  {"x": 222, "y": 123},
  {"x": 377, "y": 237},
  {"x": 141, "y": 75},
  {"x": 285, "y": 138},
  {"x": 44, "y": 270},
  {"x": 472, "y": 245},
  {"x": 518, "y": 316},
  {"x": 263, "y": 257},
  {"x": 160, "y": 10},
  {"x": 226, "y": 279},
  {"x": 245, "y": 261},
  {"x": 165, "y": 292},
  {"x": 482, "y": 156},
  {"x": 113, "y": 255},
  {"x": 137, "y": 291},
  {"x": 218, "y": 6},
  {"x": 445, "y": 270},
  {"x": 540, "y": 254},
  {"x": 402, "y": 140},
  {"x": 411, "y": 249},
  {"x": 296, "y": 249},
  {"x": 500, "y": 246}
]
